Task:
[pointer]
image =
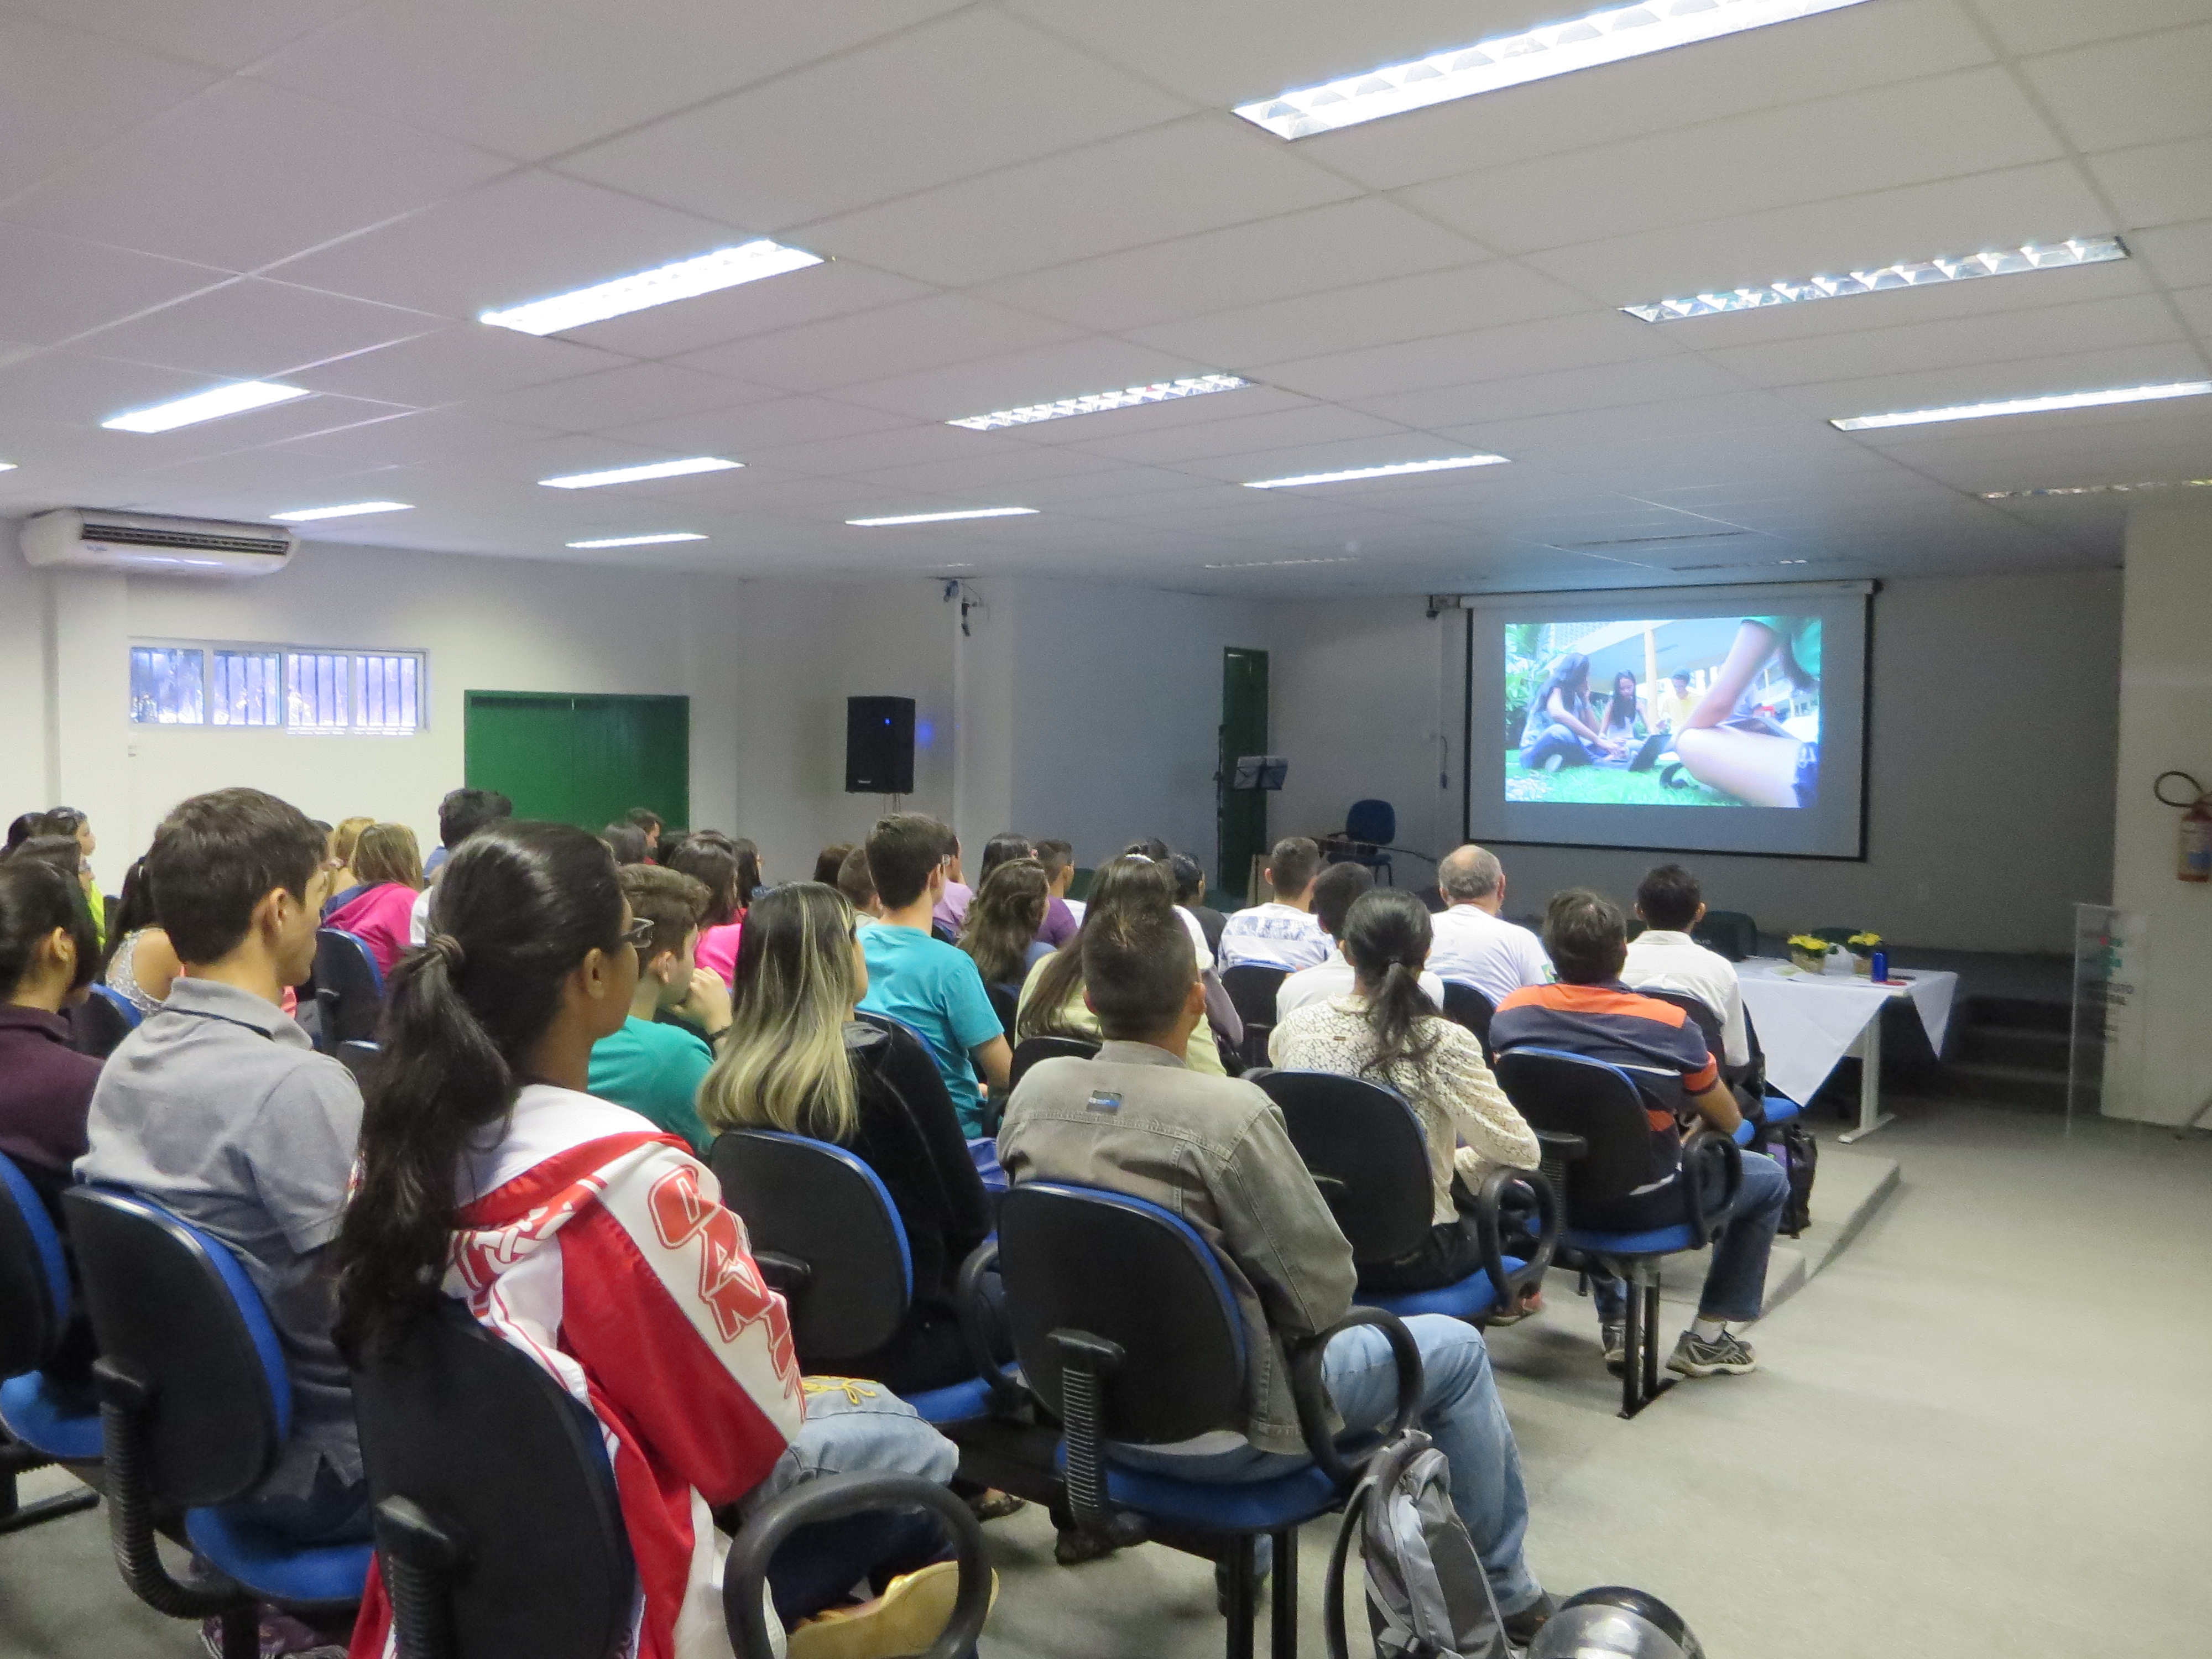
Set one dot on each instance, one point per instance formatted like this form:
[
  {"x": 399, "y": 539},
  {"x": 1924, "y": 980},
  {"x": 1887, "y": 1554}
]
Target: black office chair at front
[
  {"x": 100, "y": 1023},
  {"x": 1031, "y": 1050},
  {"x": 1252, "y": 989},
  {"x": 1592, "y": 1121},
  {"x": 1128, "y": 1332},
  {"x": 1466, "y": 1004},
  {"x": 349, "y": 989}
]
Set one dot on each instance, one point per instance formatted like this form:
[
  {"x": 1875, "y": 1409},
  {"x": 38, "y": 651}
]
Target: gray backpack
[{"x": 1427, "y": 1595}]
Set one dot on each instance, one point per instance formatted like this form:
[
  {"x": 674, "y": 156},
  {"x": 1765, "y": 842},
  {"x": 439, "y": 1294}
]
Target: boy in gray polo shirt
[{"x": 218, "y": 1108}]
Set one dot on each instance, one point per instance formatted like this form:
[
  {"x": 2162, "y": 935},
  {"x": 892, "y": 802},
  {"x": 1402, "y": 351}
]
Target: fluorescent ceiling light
[
  {"x": 643, "y": 541},
  {"x": 725, "y": 267},
  {"x": 1096, "y": 403},
  {"x": 7, "y": 466},
  {"x": 637, "y": 474},
  {"x": 351, "y": 509},
  {"x": 2133, "y": 394},
  {"x": 1508, "y": 60},
  {"x": 2095, "y": 489},
  {"x": 1276, "y": 564},
  {"x": 234, "y": 399},
  {"x": 1396, "y": 468},
  {"x": 940, "y": 518},
  {"x": 1953, "y": 268}
]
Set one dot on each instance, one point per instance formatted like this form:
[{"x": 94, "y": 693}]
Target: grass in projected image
[{"x": 1605, "y": 786}]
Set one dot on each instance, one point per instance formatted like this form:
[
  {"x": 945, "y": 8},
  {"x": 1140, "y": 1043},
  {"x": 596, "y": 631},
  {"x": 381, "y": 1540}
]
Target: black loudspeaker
[{"x": 879, "y": 745}]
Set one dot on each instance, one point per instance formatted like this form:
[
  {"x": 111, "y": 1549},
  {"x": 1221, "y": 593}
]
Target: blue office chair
[
  {"x": 358, "y": 1056},
  {"x": 1467, "y": 1004},
  {"x": 827, "y": 1235},
  {"x": 196, "y": 1403},
  {"x": 1765, "y": 1109},
  {"x": 100, "y": 1023},
  {"x": 1365, "y": 1148},
  {"x": 348, "y": 989},
  {"x": 1369, "y": 827},
  {"x": 1591, "y": 1118},
  {"x": 1128, "y": 1332},
  {"x": 43, "y": 1424},
  {"x": 1252, "y": 989}
]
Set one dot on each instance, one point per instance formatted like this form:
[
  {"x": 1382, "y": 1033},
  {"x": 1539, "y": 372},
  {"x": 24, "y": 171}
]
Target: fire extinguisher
[{"x": 2195, "y": 860}]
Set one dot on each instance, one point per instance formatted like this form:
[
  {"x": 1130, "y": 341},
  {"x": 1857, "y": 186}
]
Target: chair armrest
[
  {"x": 1698, "y": 1148},
  {"x": 1311, "y": 1394},
  {"x": 1085, "y": 1363},
  {"x": 1489, "y": 1213},
  {"x": 744, "y": 1571},
  {"x": 126, "y": 1402},
  {"x": 979, "y": 1323},
  {"x": 784, "y": 1273}
]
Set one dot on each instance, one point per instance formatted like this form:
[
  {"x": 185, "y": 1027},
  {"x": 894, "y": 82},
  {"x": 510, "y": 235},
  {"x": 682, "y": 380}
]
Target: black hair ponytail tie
[{"x": 449, "y": 950}]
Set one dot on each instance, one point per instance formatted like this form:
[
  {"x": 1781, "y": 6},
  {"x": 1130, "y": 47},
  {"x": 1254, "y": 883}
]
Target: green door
[
  {"x": 1243, "y": 812},
  {"x": 581, "y": 759}
]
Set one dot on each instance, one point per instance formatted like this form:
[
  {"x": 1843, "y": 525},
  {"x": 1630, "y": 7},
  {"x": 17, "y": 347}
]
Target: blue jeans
[
  {"x": 1555, "y": 739},
  {"x": 1460, "y": 1411},
  {"x": 1736, "y": 1281}
]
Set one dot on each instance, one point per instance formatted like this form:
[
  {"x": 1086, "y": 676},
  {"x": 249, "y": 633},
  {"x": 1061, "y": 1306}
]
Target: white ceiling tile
[
  {"x": 618, "y": 398},
  {"x": 1197, "y": 174},
  {"x": 742, "y": 431},
  {"x": 54, "y": 287},
  {"x": 565, "y": 72},
  {"x": 1940, "y": 127},
  {"x": 2158, "y": 184},
  {"x": 63, "y": 94},
  {"x": 1014, "y": 464},
  {"x": 872, "y": 451},
  {"x": 411, "y": 439},
  {"x": 836, "y": 287},
  {"x": 2140, "y": 91},
  {"x": 1487, "y": 354},
  {"x": 1335, "y": 247},
  {"x": 878, "y": 123},
  {"x": 1041, "y": 374},
  {"x": 253, "y": 329},
  {"x": 2034, "y": 25},
  {"x": 918, "y": 334},
  {"x": 2180, "y": 255},
  {"x": 1142, "y": 419},
  {"x": 1288, "y": 430},
  {"x": 1664, "y": 379},
  {"x": 461, "y": 359},
  {"x": 244, "y": 175},
  {"x": 228, "y": 34},
  {"x": 2018, "y": 377},
  {"x": 2195, "y": 305}
]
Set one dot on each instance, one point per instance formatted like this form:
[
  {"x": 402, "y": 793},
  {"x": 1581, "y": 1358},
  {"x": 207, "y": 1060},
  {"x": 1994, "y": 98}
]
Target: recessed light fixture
[
  {"x": 1097, "y": 403},
  {"x": 941, "y": 518},
  {"x": 7, "y": 466},
  {"x": 2132, "y": 394},
  {"x": 1508, "y": 60},
  {"x": 1276, "y": 564},
  {"x": 1953, "y": 268},
  {"x": 643, "y": 541},
  {"x": 2094, "y": 490},
  {"x": 725, "y": 267},
  {"x": 638, "y": 474},
  {"x": 351, "y": 509},
  {"x": 1396, "y": 468},
  {"x": 233, "y": 399}
]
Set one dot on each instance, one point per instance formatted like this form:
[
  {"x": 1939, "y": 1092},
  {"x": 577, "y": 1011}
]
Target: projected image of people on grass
[{"x": 1699, "y": 711}]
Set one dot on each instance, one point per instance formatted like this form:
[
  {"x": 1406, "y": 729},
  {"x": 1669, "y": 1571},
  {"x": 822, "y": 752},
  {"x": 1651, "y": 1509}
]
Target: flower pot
[
  {"x": 1810, "y": 962},
  {"x": 1863, "y": 965}
]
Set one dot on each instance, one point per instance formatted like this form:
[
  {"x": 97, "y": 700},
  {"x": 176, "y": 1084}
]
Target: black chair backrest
[
  {"x": 174, "y": 1309},
  {"x": 1006, "y": 999},
  {"x": 348, "y": 989},
  {"x": 1568, "y": 1094},
  {"x": 820, "y": 1205},
  {"x": 1367, "y": 1153},
  {"x": 1373, "y": 822},
  {"x": 358, "y": 1056},
  {"x": 1030, "y": 1050},
  {"x": 1695, "y": 1007},
  {"x": 100, "y": 1023},
  {"x": 1116, "y": 1268},
  {"x": 1252, "y": 989},
  {"x": 500, "y": 1458},
  {"x": 1468, "y": 1006},
  {"x": 34, "y": 1291},
  {"x": 1733, "y": 933}
]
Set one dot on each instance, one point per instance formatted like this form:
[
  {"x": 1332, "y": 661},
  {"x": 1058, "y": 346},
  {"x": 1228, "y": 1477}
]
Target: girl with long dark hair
[
  {"x": 1000, "y": 928},
  {"x": 1561, "y": 729},
  {"x": 1387, "y": 1031},
  {"x": 593, "y": 1242},
  {"x": 1623, "y": 713},
  {"x": 141, "y": 965}
]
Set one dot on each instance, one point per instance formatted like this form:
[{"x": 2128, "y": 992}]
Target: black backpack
[
  {"x": 1427, "y": 1595},
  {"x": 1792, "y": 1144}
]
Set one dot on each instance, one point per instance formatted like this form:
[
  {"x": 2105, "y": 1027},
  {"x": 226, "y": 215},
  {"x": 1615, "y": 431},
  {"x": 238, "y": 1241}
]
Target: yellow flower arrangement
[
  {"x": 1810, "y": 945},
  {"x": 1862, "y": 944}
]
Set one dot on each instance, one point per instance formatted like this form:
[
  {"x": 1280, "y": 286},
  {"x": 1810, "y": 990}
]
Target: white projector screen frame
[{"x": 1833, "y": 828}]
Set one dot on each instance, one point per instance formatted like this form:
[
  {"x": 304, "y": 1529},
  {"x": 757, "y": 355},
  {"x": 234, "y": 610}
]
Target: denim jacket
[{"x": 1213, "y": 1150}]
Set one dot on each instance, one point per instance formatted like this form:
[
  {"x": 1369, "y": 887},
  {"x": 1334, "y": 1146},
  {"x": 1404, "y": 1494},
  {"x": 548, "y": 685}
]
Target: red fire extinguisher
[{"x": 2196, "y": 862}]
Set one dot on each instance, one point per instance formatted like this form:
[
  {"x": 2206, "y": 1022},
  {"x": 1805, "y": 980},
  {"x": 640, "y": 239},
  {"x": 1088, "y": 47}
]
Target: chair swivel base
[{"x": 14, "y": 1516}]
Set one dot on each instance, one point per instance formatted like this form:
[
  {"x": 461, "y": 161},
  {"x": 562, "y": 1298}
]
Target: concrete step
[
  {"x": 2022, "y": 1088},
  {"x": 2029, "y": 1047},
  {"x": 2030, "y": 1013}
]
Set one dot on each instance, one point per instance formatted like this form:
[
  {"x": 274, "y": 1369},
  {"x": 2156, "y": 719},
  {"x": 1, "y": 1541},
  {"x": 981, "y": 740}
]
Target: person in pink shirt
[
  {"x": 389, "y": 868},
  {"x": 731, "y": 870}
]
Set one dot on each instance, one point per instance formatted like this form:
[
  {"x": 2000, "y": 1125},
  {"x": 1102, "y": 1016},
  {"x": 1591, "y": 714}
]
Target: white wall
[
  {"x": 2165, "y": 724},
  {"x": 1994, "y": 705}
]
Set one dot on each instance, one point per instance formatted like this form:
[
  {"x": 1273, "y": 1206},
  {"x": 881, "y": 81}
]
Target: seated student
[
  {"x": 1664, "y": 957},
  {"x": 1472, "y": 942},
  {"x": 1589, "y": 1011},
  {"x": 64, "y": 850},
  {"x": 1000, "y": 931},
  {"x": 858, "y": 888},
  {"x": 47, "y": 957},
  {"x": 1282, "y": 932},
  {"x": 1335, "y": 891},
  {"x": 218, "y": 1108},
  {"x": 343, "y": 882},
  {"x": 712, "y": 859},
  {"x": 1190, "y": 895},
  {"x": 921, "y": 981},
  {"x": 1213, "y": 1150},
  {"x": 951, "y": 907},
  {"x": 1061, "y": 917},
  {"x": 1388, "y": 1032},
  {"x": 1053, "y": 1003},
  {"x": 653, "y": 1068},
  {"x": 829, "y": 860},
  {"x": 140, "y": 966},
  {"x": 460, "y": 815},
  {"x": 390, "y": 873},
  {"x": 1674, "y": 702},
  {"x": 648, "y": 824},
  {"x": 597, "y": 1245},
  {"x": 798, "y": 1059},
  {"x": 68, "y": 821},
  {"x": 627, "y": 842}
]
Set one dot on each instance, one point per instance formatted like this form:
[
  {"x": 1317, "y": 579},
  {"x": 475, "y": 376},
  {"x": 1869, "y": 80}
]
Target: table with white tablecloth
[{"x": 1808, "y": 1022}]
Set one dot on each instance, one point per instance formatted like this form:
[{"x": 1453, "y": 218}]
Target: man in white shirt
[
  {"x": 1282, "y": 932},
  {"x": 1664, "y": 957},
  {"x": 1335, "y": 890},
  {"x": 1471, "y": 942}
]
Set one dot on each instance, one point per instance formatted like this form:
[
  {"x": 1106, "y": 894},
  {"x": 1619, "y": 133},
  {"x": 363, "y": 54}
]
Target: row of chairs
[
  {"x": 346, "y": 991},
  {"x": 1252, "y": 989}
]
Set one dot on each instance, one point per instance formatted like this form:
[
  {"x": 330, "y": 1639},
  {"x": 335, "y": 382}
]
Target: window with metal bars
[
  {"x": 332, "y": 693},
  {"x": 167, "y": 685},
  {"x": 245, "y": 690}
]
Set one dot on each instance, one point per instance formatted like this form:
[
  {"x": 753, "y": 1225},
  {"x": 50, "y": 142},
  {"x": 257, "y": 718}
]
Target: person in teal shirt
[
  {"x": 919, "y": 981},
  {"x": 654, "y": 1068}
]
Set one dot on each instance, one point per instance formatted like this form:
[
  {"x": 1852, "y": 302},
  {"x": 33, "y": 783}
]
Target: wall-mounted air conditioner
[{"x": 92, "y": 538}]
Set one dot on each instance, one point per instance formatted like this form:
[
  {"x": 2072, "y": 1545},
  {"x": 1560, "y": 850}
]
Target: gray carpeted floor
[{"x": 1981, "y": 1433}]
